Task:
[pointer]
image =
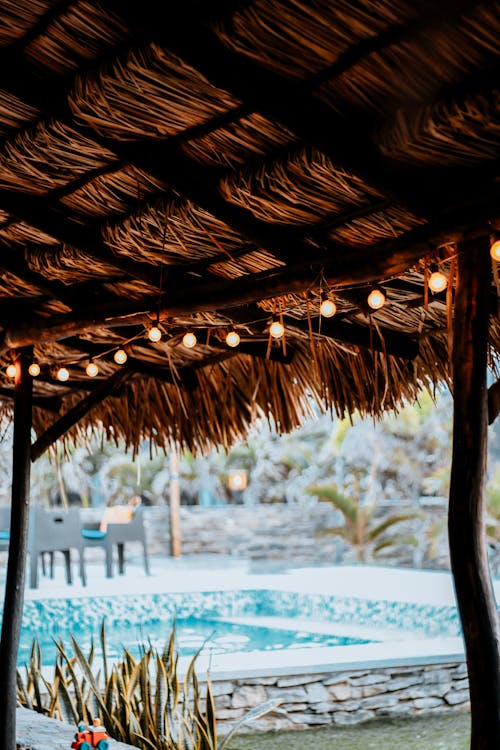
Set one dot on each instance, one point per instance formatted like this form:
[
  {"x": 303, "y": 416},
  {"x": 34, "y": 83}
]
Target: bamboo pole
[
  {"x": 16, "y": 566},
  {"x": 175, "y": 501},
  {"x": 467, "y": 539}
]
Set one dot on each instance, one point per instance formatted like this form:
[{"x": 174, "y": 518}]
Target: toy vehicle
[{"x": 90, "y": 737}]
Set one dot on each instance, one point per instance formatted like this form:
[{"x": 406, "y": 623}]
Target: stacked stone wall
[
  {"x": 275, "y": 532},
  {"x": 348, "y": 697}
]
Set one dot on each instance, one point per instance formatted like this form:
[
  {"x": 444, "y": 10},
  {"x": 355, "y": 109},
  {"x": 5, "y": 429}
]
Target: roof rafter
[{"x": 389, "y": 259}]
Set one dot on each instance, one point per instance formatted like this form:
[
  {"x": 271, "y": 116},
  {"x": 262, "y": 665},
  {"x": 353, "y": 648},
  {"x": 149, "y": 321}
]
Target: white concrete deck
[{"x": 218, "y": 572}]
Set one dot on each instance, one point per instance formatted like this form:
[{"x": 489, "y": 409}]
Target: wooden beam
[
  {"x": 18, "y": 549},
  {"x": 41, "y": 214},
  {"x": 466, "y": 522},
  {"x": 77, "y": 412}
]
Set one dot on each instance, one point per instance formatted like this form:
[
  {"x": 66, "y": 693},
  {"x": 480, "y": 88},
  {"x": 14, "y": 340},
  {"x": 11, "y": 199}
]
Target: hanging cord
[
  {"x": 311, "y": 336},
  {"x": 270, "y": 338},
  {"x": 283, "y": 338},
  {"x": 449, "y": 306}
]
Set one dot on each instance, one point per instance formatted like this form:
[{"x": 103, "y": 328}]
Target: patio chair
[
  {"x": 120, "y": 524},
  {"x": 55, "y": 531}
]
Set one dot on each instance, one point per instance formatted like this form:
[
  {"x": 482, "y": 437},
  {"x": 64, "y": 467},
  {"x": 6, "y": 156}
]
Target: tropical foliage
[
  {"x": 141, "y": 702},
  {"x": 360, "y": 529}
]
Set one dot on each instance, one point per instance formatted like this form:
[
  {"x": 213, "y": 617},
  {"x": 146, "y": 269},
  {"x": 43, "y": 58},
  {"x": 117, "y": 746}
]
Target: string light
[
  {"x": 154, "y": 334},
  {"x": 232, "y": 338},
  {"x": 62, "y": 374},
  {"x": 327, "y": 307},
  {"x": 495, "y": 248},
  {"x": 276, "y": 329},
  {"x": 34, "y": 369},
  {"x": 120, "y": 356},
  {"x": 11, "y": 371},
  {"x": 376, "y": 298},
  {"x": 437, "y": 281},
  {"x": 91, "y": 369},
  {"x": 189, "y": 340}
]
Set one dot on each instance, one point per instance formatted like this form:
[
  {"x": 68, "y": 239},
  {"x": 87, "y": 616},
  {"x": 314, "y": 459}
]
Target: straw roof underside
[{"x": 228, "y": 168}]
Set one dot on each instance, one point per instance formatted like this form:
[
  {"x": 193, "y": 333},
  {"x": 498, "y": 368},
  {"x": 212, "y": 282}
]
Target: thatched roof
[{"x": 231, "y": 164}]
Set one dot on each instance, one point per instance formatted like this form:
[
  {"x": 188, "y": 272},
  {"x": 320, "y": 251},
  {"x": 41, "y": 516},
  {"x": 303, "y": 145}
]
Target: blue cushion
[
  {"x": 93, "y": 534},
  {"x": 5, "y": 535}
]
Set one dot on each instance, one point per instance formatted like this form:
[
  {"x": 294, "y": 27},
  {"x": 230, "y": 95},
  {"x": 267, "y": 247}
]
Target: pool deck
[
  {"x": 219, "y": 572},
  {"x": 216, "y": 572}
]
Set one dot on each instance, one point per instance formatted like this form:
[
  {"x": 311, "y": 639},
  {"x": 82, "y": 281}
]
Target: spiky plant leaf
[
  {"x": 22, "y": 694},
  {"x": 85, "y": 665},
  {"x": 104, "y": 650},
  {"x": 159, "y": 697},
  {"x": 69, "y": 666},
  {"x": 254, "y": 713},
  {"x": 67, "y": 703},
  {"x": 211, "y": 722}
]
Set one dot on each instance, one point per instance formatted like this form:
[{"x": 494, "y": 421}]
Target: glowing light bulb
[
  {"x": 437, "y": 281},
  {"x": 120, "y": 356},
  {"x": 154, "y": 334},
  {"x": 495, "y": 250},
  {"x": 91, "y": 369},
  {"x": 189, "y": 340},
  {"x": 327, "y": 307},
  {"x": 34, "y": 369},
  {"x": 376, "y": 299},
  {"x": 62, "y": 374},
  {"x": 276, "y": 329},
  {"x": 232, "y": 338},
  {"x": 11, "y": 371}
]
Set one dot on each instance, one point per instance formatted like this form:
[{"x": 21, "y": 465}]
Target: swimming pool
[{"x": 230, "y": 621}]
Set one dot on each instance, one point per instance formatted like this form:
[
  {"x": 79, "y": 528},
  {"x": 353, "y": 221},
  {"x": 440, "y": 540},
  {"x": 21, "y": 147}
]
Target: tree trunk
[
  {"x": 16, "y": 566},
  {"x": 466, "y": 523}
]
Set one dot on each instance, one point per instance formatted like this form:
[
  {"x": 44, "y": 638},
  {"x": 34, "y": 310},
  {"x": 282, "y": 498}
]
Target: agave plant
[
  {"x": 141, "y": 702},
  {"x": 360, "y": 530}
]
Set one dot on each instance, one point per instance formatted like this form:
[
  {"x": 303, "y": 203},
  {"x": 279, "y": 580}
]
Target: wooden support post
[
  {"x": 467, "y": 538},
  {"x": 175, "y": 501},
  {"x": 16, "y": 566}
]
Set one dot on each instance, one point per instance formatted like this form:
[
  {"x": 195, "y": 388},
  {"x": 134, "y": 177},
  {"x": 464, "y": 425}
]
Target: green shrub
[{"x": 141, "y": 702}]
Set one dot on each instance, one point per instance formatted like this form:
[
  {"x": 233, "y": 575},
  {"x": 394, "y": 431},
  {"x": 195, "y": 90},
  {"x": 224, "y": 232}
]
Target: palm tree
[{"x": 360, "y": 529}]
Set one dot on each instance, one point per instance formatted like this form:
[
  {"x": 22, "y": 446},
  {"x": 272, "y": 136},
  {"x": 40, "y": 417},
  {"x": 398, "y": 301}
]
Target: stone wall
[
  {"x": 272, "y": 532},
  {"x": 348, "y": 697}
]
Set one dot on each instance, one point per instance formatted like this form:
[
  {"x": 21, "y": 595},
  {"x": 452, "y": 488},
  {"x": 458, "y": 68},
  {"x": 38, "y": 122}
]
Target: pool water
[
  {"x": 224, "y": 622},
  {"x": 214, "y": 636}
]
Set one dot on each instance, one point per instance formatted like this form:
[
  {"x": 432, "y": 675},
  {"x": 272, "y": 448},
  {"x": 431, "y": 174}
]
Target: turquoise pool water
[
  {"x": 192, "y": 633},
  {"x": 203, "y": 619}
]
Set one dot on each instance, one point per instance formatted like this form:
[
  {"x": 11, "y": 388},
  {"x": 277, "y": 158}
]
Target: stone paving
[{"x": 38, "y": 732}]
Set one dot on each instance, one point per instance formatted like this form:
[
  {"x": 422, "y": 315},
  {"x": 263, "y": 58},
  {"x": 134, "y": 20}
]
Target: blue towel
[{"x": 5, "y": 536}]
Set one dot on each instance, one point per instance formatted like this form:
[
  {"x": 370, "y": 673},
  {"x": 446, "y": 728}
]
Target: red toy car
[{"x": 90, "y": 737}]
